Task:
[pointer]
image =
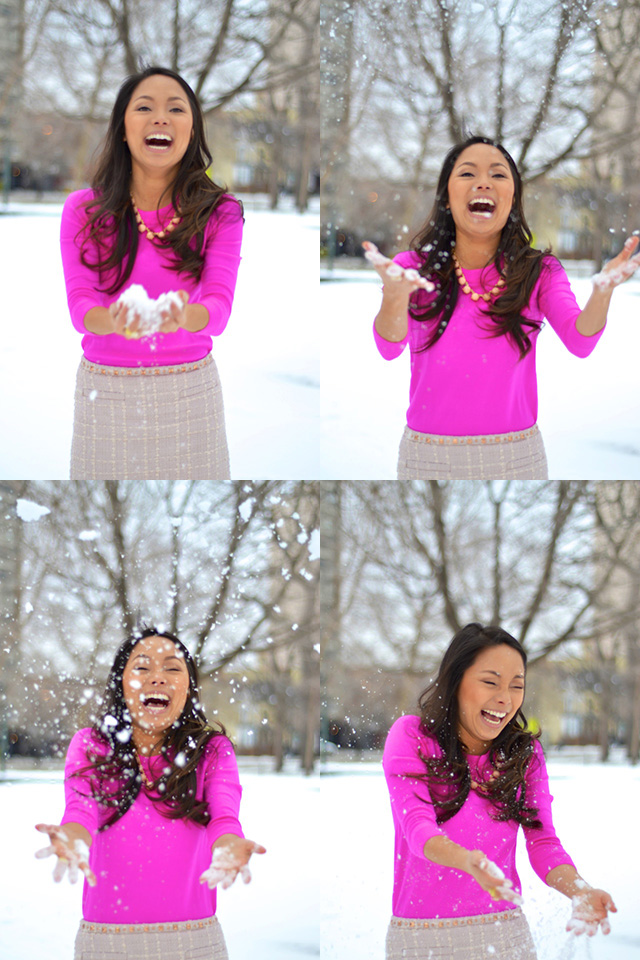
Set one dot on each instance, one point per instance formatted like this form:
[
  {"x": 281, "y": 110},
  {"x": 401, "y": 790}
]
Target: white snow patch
[
  {"x": 88, "y": 535},
  {"x": 28, "y": 510}
]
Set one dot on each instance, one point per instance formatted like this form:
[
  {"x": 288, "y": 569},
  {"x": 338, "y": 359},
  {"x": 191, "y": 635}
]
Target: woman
[
  {"x": 470, "y": 298},
  {"x": 151, "y": 818},
  {"x": 148, "y": 396},
  {"x": 462, "y": 778}
]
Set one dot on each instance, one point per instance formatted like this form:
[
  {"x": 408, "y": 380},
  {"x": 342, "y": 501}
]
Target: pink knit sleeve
[
  {"x": 559, "y": 305},
  {"x": 223, "y": 239},
  {"x": 222, "y": 790},
  {"x": 410, "y": 799},
  {"x": 80, "y": 806},
  {"x": 544, "y": 848},
  {"x": 81, "y": 281}
]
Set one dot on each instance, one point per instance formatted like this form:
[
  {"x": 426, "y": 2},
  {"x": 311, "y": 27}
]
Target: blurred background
[
  {"x": 254, "y": 67},
  {"x": 230, "y": 568},
  {"x": 406, "y": 565},
  {"x": 556, "y": 82}
]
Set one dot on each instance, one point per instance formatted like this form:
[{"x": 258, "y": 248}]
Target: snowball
[{"x": 147, "y": 311}]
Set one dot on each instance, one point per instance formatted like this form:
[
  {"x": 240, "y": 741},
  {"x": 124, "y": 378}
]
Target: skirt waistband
[
  {"x": 145, "y": 371},
  {"x": 441, "y": 440},
  {"x": 456, "y": 921},
  {"x": 170, "y": 927}
]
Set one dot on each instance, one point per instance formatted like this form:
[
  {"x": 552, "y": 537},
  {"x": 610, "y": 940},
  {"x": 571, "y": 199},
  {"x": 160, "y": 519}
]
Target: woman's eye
[
  {"x": 489, "y": 683},
  {"x": 139, "y": 669},
  {"x": 139, "y": 109},
  {"x": 177, "y": 110}
]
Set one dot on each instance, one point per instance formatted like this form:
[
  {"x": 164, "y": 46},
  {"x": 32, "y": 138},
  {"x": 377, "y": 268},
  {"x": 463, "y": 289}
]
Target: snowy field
[
  {"x": 589, "y": 410},
  {"x": 267, "y": 357},
  {"x": 595, "y": 815},
  {"x": 275, "y": 917}
]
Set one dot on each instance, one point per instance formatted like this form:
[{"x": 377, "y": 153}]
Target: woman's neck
[
  {"x": 475, "y": 255},
  {"x": 145, "y": 743},
  {"x": 150, "y": 193}
]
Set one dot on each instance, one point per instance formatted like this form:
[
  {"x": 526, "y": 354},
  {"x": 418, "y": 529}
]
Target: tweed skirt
[
  {"x": 503, "y": 456},
  {"x": 490, "y": 936},
  {"x": 189, "y": 940},
  {"x": 149, "y": 423}
]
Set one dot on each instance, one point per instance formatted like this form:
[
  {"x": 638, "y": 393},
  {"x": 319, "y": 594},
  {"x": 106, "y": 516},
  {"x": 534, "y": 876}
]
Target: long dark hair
[
  {"x": 516, "y": 261},
  {"x": 113, "y": 772},
  {"x": 448, "y": 776},
  {"x": 110, "y": 237}
]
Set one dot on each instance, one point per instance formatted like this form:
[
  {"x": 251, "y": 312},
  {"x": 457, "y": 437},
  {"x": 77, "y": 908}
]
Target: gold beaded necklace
[
  {"x": 148, "y": 783},
  {"x": 464, "y": 283},
  {"x": 143, "y": 228}
]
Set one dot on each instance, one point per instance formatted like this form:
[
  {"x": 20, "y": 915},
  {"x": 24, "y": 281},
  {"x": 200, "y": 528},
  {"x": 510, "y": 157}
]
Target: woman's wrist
[
  {"x": 196, "y": 317},
  {"x": 566, "y": 880}
]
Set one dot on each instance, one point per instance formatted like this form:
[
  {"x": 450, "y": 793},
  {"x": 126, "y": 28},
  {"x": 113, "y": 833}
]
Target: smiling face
[
  {"x": 155, "y": 684},
  {"x": 489, "y": 696},
  {"x": 158, "y": 124},
  {"x": 481, "y": 191}
]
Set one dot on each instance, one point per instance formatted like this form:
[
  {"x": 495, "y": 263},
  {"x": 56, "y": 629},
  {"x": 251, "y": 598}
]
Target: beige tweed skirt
[
  {"x": 188, "y": 940},
  {"x": 502, "y": 456},
  {"x": 149, "y": 423},
  {"x": 490, "y": 936}
]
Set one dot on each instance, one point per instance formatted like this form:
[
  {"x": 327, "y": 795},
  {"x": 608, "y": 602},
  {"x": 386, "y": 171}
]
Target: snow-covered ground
[
  {"x": 589, "y": 411},
  {"x": 267, "y": 358},
  {"x": 275, "y": 917},
  {"x": 595, "y": 815}
]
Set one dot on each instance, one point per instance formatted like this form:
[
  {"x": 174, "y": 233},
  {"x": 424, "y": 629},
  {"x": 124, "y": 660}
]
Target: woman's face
[
  {"x": 481, "y": 191},
  {"x": 490, "y": 694},
  {"x": 158, "y": 124},
  {"x": 155, "y": 684}
]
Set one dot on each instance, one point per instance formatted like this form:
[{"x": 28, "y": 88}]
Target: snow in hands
[
  {"x": 73, "y": 857},
  {"x": 503, "y": 889},
  {"x": 394, "y": 271},
  {"x": 228, "y": 861},
  {"x": 610, "y": 277},
  {"x": 148, "y": 312}
]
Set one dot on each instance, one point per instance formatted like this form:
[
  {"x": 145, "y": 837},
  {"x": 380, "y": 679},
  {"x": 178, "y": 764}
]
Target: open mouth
[
  {"x": 158, "y": 141},
  {"x": 493, "y": 717},
  {"x": 483, "y": 208},
  {"x": 155, "y": 702}
]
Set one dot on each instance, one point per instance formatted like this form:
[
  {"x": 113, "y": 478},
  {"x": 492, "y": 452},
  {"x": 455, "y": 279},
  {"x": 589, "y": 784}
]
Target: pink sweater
[
  {"x": 421, "y": 888},
  {"x": 469, "y": 384},
  {"x": 223, "y": 236},
  {"x": 147, "y": 866}
]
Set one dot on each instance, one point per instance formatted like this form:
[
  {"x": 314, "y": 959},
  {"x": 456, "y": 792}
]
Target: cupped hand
[
  {"x": 74, "y": 856},
  {"x": 590, "y": 911},
  {"x": 175, "y": 315},
  {"x": 392, "y": 272},
  {"x": 126, "y": 322},
  {"x": 491, "y": 878},
  {"x": 619, "y": 269},
  {"x": 230, "y": 859}
]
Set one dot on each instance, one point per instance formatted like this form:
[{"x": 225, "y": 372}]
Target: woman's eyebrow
[
  {"x": 145, "y": 96},
  {"x": 518, "y": 676},
  {"x": 496, "y": 163}
]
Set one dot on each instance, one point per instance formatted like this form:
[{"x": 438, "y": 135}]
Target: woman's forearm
[
  {"x": 196, "y": 317},
  {"x": 391, "y": 321},
  {"x": 594, "y": 316},
  {"x": 98, "y": 320},
  {"x": 566, "y": 880},
  {"x": 441, "y": 850}
]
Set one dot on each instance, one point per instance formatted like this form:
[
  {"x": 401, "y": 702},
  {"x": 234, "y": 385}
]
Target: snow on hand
[{"x": 147, "y": 311}]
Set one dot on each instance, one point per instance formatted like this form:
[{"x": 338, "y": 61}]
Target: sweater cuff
[{"x": 218, "y": 828}]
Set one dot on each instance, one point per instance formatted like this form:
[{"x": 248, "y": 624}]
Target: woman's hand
[
  {"x": 490, "y": 877},
  {"x": 175, "y": 315},
  {"x": 619, "y": 269},
  {"x": 72, "y": 854},
  {"x": 231, "y": 856},
  {"x": 405, "y": 280},
  {"x": 126, "y": 323},
  {"x": 590, "y": 909}
]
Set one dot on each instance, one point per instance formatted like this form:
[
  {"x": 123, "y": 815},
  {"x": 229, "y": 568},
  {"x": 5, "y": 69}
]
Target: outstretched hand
[
  {"x": 491, "y": 878},
  {"x": 619, "y": 269},
  {"x": 72, "y": 856},
  {"x": 590, "y": 910},
  {"x": 392, "y": 272},
  {"x": 230, "y": 859}
]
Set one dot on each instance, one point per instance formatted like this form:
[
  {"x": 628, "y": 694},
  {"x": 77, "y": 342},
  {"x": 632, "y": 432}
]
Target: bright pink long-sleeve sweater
[
  {"x": 221, "y": 249},
  {"x": 470, "y": 384},
  {"x": 147, "y": 866},
  {"x": 423, "y": 889}
]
